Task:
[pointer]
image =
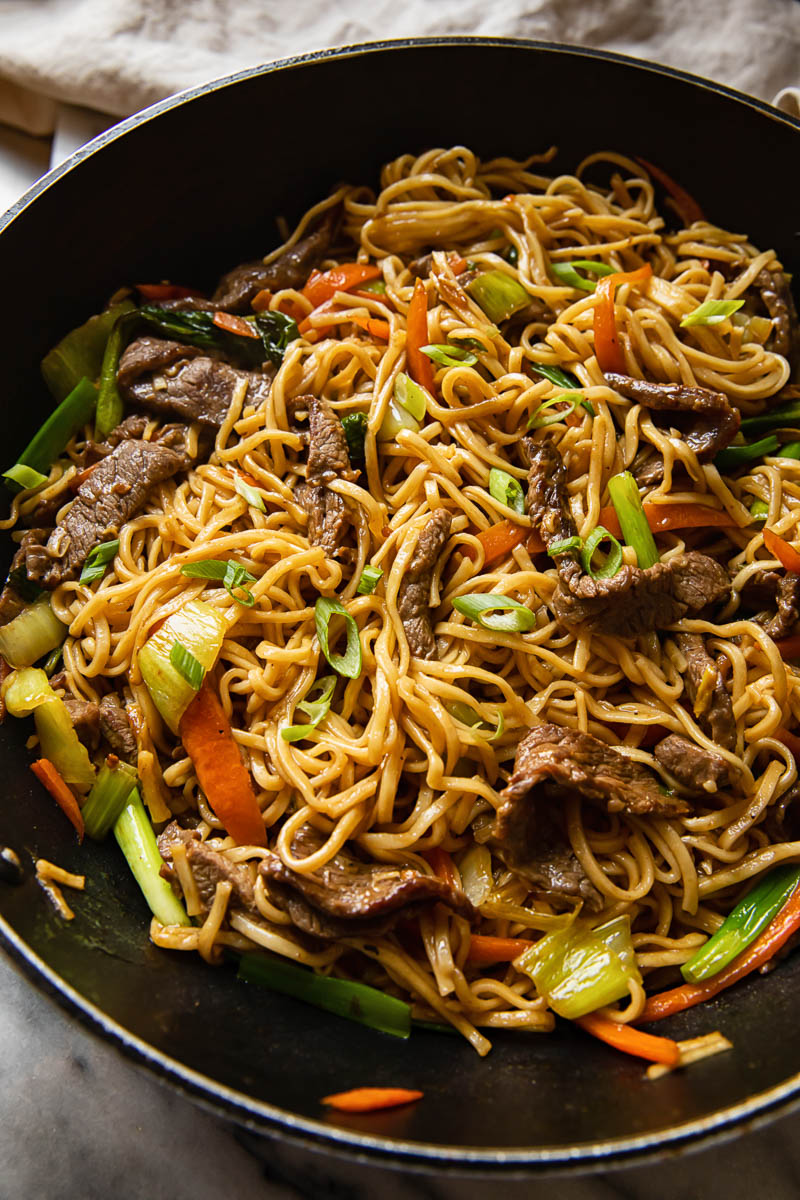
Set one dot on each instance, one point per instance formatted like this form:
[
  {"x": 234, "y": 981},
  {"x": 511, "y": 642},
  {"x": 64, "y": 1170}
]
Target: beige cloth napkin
[{"x": 117, "y": 56}]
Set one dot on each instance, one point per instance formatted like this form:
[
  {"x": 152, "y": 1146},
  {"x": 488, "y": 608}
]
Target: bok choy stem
[{"x": 136, "y": 840}]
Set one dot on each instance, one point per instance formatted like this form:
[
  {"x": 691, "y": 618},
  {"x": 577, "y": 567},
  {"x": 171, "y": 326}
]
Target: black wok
[{"x": 184, "y": 191}]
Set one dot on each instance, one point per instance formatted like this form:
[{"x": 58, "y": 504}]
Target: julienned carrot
[
  {"x": 631, "y": 1041},
  {"x": 208, "y": 739},
  {"x": 662, "y": 517},
  {"x": 442, "y": 864},
  {"x": 786, "y": 554},
  {"x": 485, "y": 950},
  {"x": 688, "y": 208},
  {"x": 606, "y": 341},
  {"x": 500, "y": 539},
  {"x": 233, "y": 324},
  {"x": 375, "y": 326},
  {"x": 767, "y": 944},
  {"x": 261, "y": 301},
  {"x": 369, "y": 1099},
  {"x": 47, "y": 775},
  {"x": 420, "y": 367},
  {"x": 323, "y": 285}
]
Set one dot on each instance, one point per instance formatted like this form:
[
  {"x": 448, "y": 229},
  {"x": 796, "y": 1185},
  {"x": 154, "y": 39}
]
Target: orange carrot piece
[
  {"x": 208, "y": 739},
  {"x": 233, "y": 324},
  {"x": 485, "y": 950},
  {"x": 688, "y": 208},
  {"x": 500, "y": 539},
  {"x": 261, "y": 301},
  {"x": 322, "y": 285},
  {"x": 420, "y": 367},
  {"x": 442, "y": 864},
  {"x": 373, "y": 325},
  {"x": 606, "y": 340},
  {"x": 631, "y": 1041},
  {"x": 457, "y": 264},
  {"x": 64, "y": 797},
  {"x": 780, "y": 929},
  {"x": 370, "y": 1099},
  {"x": 662, "y": 517},
  {"x": 786, "y": 554}
]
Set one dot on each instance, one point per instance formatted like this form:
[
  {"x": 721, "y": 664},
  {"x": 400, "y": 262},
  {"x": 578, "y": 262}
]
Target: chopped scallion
[
  {"x": 506, "y": 489},
  {"x": 249, "y": 493},
  {"x": 355, "y": 430},
  {"x": 733, "y": 457},
  {"x": 316, "y": 710},
  {"x": 711, "y": 312},
  {"x": 541, "y": 417},
  {"x": 25, "y": 477},
  {"x": 74, "y": 411},
  {"x": 565, "y": 272},
  {"x": 349, "y": 663},
  {"x": 498, "y": 293},
  {"x": 187, "y": 665},
  {"x": 411, "y": 396},
  {"x": 450, "y": 355},
  {"x": 97, "y": 562},
  {"x": 233, "y": 576},
  {"x": 614, "y": 560},
  {"x": 565, "y": 546},
  {"x": 633, "y": 522},
  {"x": 555, "y": 375},
  {"x": 512, "y": 617},
  {"x": 136, "y": 840},
  {"x": 777, "y": 418},
  {"x": 759, "y": 510},
  {"x": 789, "y": 450},
  {"x": 108, "y": 797},
  {"x": 370, "y": 577}
]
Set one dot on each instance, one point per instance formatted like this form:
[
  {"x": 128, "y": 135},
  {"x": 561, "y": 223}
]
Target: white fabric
[{"x": 117, "y": 56}]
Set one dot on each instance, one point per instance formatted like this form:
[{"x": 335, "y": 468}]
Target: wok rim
[{"x": 258, "y": 1115}]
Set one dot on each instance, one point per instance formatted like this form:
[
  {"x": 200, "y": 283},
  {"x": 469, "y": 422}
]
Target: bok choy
[
  {"x": 199, "y": 629},
  {"x": 578, "y": 970},
  {"x": 29, "y": 691}
]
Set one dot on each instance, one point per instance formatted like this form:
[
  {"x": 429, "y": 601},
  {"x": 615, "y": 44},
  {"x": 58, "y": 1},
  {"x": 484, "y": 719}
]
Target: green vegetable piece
[
  {"x": 187, "y": 665},
  {"x": 355, "y": 430},
  {"x": 498, "y": 293},
  {"x": 232, "y": 575},
  {"x": 108, "y": 797},
  {"x": 370, "y": 578},
  {"x": 355, "y": 1001},
  {"x": 276, "y": 331},
  {"x": 565, "y": 272},
  {"x": 614, "y": 560},
  {"x": 565, "y": 546},
  {"x": 759, "y": 510},
  {"x": 71, "y": 415},
  {"x": 512, "y": 255},
  {"x": 743, "y": 924},
  {"x": 711, "y": 312},
  {"x": 506, "y": 490},
  {"x": 450, "y": 355},
  {"x": 578, "y": 970},
  {"x": 378, "y": 286},
  {"x": 555, "y": 375},
  {"x": 396, "y": 419},
  {"x": 29, "y": 691},
  {"x": 200, "y": 629},
  {"x": 316, "y": 710},
  {"x": 513, "y": 617},
  {"x": 33, "y": 633},
  {"x": 777, "y": 418},
  {"x": 136, "y": 840},
  {"x": 733, "y": 457},
  {"x": 25, "y": 477},
  {"x": 410, "y": 396},
  {"x": 349, "y": 663},
  {"x": 249, "y": 493},
  {"x": 542, "y": 418},
  {"x": 25, "y": 690},
  {"x": 633, "y": 522},
  {"x": 789, "y": 450},
  {"x": 27, "y": 589},
  {"x": 80, "y": 354},
  {"x": 97, "y": 561},
  {"x": 462, "y": 712},
  {"x": 50, "y": 664},
  {"x": 110, "y": 408}
]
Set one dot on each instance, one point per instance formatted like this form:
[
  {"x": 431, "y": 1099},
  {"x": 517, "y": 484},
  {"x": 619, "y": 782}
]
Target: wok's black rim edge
[
  {"x": 261, "y": 1117},
  {"x": 264, "y": 1118}
]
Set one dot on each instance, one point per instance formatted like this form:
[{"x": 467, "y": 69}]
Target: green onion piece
[
  {"x": 232, "y": 575},
  {"x": 378, "y": 286},
  {"x": 537, "y": 421},
  {"x": 136, "y": 840},
  {"x": 633, "y": 522},
  {"x": 469, "y": 343},
  {"x": 315, "y": 709},
  {"x": 498, "y": 294},
  {"x": 108, "y": 797},
  {"x": 463, "y": 713},
  {"x": 614, "y": 561},
  {"x": 26, "y": 477},
  {"x": 789, "y": 450},
  {"x": 249, "y": 494},
  {"x": 578, "y": 970},
  {"x": 506, "y": 489},
  {"x": 759, "y": 510},
  {"x": 566, "y": 273},
  {"x": 349, "y": 663},
  {"x": 512, "y": 255},
  {"x": 109, "y": 402},
  {"x": 395, "y": 419},
  {"x": 33, "y": 633},
  {"x": 70, "y": 416},
  {"x": 355, "y": 1001},
  {"x": 711, "y": 312},
  {"x": 80, "y": 354},
  {"x": 475, "y": 869},
  {"x": 565, "y": 546},
  {"x": 733, "y": 457},
  {"x": 743, "y": 924},
  {"x": 59, "y": 742},
  {"x": 555, "y": 375},
  {"x": 514, "y": 617},
  {"x": 410, "y": 396},
  {"x": 355, "y": 430},
  {"x": 97, "y": 562},
  {"x": 777, "y": 418},
  {"x": 370, "y": 577},
  {"x": 450, "y": 355},
  {"x": 50, "y": 664},
  {"x": 501, "y": 727},
  {"x": 187, "y": 665}
]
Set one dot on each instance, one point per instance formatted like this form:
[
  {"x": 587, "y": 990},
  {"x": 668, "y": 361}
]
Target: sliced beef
[
  {"x": 348, "y": 897},
  {"x": 133, "y": 426},
  {"x": 85, "y": 717},
  {"x": 692, "y": 766},
  {"x": 414, "y": 593},
  {"x": 208, "y": 866},
  {"x": 777, "y": 298},
  {"x": 631, "y": 602},
  {"x": 18, "y": 590},
  {"x": 198, "y": 389},
  {"x": 706, "y": 690},
  {"x": 116, "y": 729},
  {"x": 647, "y": 467},
  {"x": 329, "y": 518},
  {"x": 149, "y": 354},
  {"x": 329, "y": 521},
  {"x": 561, "y": 761},
  {"x": 788, "y": 602},
  {"x": 115, "y": 491},
  {"x": 707, "y": 419},
  {"x": 420, "y": 267}
]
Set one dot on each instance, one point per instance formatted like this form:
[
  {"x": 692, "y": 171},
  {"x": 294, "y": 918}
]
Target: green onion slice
[
  {"x": 355, "y": 430},
  {"x": 349, "y": 663},
  {"x": 316, "y": 710},
  {"x": 565, "y": 546},
  {"x": 411, "y": 396},
  {"x": 555, "y": 375},
  {"x": 248, "y": 493},
  {"x": 541, "y": 417},
  {"x": 26, "y": 477},
  {"x": 506, "y": 489},
  {"x": 233, "y": 575},
  {"x": 711, "y": 312},
  {"x": 467, "y": 716},
  {"x": 789, "y": 450},
  {"x": 450, "y": 355},
  {"x": 759, "y": 510},
  {"x": 512, "y": 617},
  {"x": 736, "y": 456},
  {"x": 776, "y": 418},
  {"x": 633, "y": 522},
  {"x": 614, "y": 561},
  {"x": 370, "y": 577},
  {"x": 97, "y": 562},
  {"x": 187, "y": 665},
  {"x": 565, "y": 272},
  {"x": 498, "y": 293},
  {"x": 378, "y": 286}
]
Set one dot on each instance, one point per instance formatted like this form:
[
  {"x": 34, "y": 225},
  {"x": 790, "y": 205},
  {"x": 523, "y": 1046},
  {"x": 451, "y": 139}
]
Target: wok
[{"x": 184, "y": 191}]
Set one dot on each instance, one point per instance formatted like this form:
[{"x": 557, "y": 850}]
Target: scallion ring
[
  {"x": 614, "y": 561},
  {"x": 187, "y": 665},
  {"x": 515, "y": 619},
  {"x": 506, "y": 490},
  {"x": 450, "y": 355},
  {"x": 349, "y": 663},
  {"x": 565, "y": 546}
]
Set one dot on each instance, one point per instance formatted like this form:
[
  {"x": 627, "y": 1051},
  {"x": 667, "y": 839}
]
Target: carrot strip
[
  {"x": 323, "y": 285},
  {"x": 662, "y": 517},
  {"x": 233, "y": 324},
  {"x": 789, "y": 647},
  {"x": 485, "y": 950},
  {"x": 688, "y": 208},
  {"x": 47, "y": 775},
  {"x": 369, "y": 1099},
  {"x": 261, "y": 301},
  {"x": 786, "y": 554},
  {"x": 606, "y": 340},
  {"x": 420, "y": 366},
  {"x": 499, "y": 540},
  {"x": 631, "y": 1041},
  {"x": 373, "y": 325},
  {"x": 442, "y": 865},
  {"x": 457, "y": 263},
  {"x": 165, "y": 291},
  {"x": 208, "y": 739},
  {"x": 779, "y": 930}
]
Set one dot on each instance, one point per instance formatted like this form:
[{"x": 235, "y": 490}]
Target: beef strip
[
  {"x": 85, "y": 717},
  {"x": 116, "y": 729},
  {"x": 420, "y": 267},
  {"x": 196, "y": 388},
  {"x": 716, "y": 715},
  {"x": 329, "y": 518},
  {"x": 634, "y": 600},
  {"x": 777, "y": 298},
  {"x": 414, "y": 593},
  {"x": 647, "y": 467},
  {"x": 149, "y": 354},
  {"x": 209, "y": 867},
  {"x": 772, "y": 589},
  {"x": 788, "y": 601},
  {"x": 12, "y": 599},
  {"x": 348, "y": 897},
  {"x": 691, "y": 765},
  {"x": 114, "y": 492},
  {"x": 707, "y": 419}
]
